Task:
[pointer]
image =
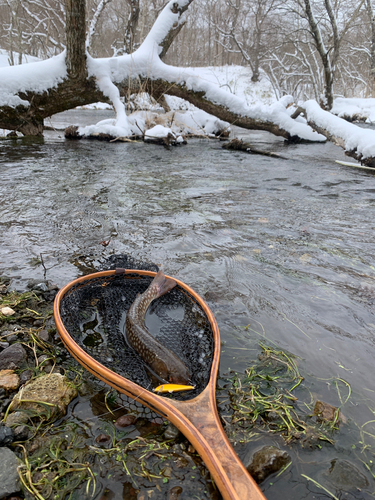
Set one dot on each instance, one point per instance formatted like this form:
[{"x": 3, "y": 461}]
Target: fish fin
[{"x": 164, "y": 284}]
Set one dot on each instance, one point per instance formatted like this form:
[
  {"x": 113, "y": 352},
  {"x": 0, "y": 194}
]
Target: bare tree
[
  {"x": 33, "y": 27},
  {"x": 245, "y": 31},
  {"x": 327, "y": 33},
  {"x": 97, "y": 12},
  {"x": 371, "y": 15}
]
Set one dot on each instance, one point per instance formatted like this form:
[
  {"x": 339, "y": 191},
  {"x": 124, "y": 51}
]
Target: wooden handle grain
[{"x": 201, "y": 425}]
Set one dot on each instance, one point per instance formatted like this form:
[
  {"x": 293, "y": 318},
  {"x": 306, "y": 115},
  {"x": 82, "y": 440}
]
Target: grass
[
  {"x": 263, "y": 398},
  {"x": 18, "y": 301},
  {"x": 57, "y": 470}
]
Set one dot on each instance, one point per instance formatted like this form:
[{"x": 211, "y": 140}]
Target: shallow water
[{"x": 283, "y": 247}]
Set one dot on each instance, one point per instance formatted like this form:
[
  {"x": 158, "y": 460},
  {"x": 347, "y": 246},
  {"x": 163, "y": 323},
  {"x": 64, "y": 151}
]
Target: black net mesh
[
  {"x": 126, "y": 261},
  {"x": 94, "y": 312}
]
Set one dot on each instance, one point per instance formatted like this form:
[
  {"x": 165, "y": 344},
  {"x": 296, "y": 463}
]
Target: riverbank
[{"x": 58, "y": 458}]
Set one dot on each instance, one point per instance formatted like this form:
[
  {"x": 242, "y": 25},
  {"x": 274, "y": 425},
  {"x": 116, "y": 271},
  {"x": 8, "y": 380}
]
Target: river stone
[
  {"x": 12, "y": 357},
  {"x": 44, "y": 335},
  {"x": 53, "y": 389},
  {"x": 7, "y": 311},
  {"x": 174, "y": 493},
  {"x": 21, "y": 433},
  {"x": 41, "y": 286},
  {"x": 6, "y": 435},
  {"x": 266, "y": 461},
  {"x": 16, "y": 418},
  {"x": 25, "y": 376},
  {"x": 9, "y": 478},
  {"x": 171, "y": 432},
  {"x": 103, "y": 440},
  {"x": 326, "y": 412},
  {"x": 125, "y": 421},
  {"x": 345, "y": 476},
  {"x": 9, "y": 380}
]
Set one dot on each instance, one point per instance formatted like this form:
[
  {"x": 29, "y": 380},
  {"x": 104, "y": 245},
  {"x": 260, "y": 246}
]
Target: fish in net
[{"x": 94, "y": 312}]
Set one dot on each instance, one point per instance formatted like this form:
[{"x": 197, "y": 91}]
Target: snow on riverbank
[
  {"x": 5, "y": 58},
  {"x": 355, "y": 109}
]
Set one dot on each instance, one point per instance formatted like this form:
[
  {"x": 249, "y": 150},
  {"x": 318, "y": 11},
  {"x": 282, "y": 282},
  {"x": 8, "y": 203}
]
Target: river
[{"x": 284, "y": 247}]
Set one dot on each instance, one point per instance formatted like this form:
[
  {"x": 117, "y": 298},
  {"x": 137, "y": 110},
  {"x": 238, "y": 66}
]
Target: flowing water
[{"x": 282, "y": 250}]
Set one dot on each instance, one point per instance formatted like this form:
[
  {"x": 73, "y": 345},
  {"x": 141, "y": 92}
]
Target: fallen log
[{"x": 239, "y": 145}]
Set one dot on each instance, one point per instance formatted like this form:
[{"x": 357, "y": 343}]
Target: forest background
[{"x": 317, "y": 49}]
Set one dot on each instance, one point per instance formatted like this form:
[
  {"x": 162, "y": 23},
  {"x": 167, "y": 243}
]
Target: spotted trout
[{"x": 161, "y": 360}]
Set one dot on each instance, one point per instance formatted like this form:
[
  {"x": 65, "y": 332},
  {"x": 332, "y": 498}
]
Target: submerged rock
[
  {"x": 327, "y": 413},
  {"x": 125, "y": 421},
  {"x": 9, "y": 479},
  {"x": 345, "y": 476},
  {"x": 171, "y": 432},
  {"x": 12, "y": 357},
  {"x": 266, "y": 461},
  {"x": 103, "y": 440},
  {"x": 174, "y": 493},
  {"x": 48, "y": 395}
]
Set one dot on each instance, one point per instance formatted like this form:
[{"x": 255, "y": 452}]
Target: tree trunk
[
  {"x": 131, "y": 28},
  {"x": 75, "y": 39},
  {"x": 371, "y": 16},
  {"x": 171, "y": 35}
]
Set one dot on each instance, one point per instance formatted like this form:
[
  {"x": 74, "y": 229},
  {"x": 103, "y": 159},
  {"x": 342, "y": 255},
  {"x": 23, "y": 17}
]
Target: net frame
[{"x": 124, "y": 385}]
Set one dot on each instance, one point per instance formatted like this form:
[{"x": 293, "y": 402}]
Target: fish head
[
  {"x": 176, "y": 375},
  {"x": 179, "y": 375},
  {"x": 160, "y": 368}
]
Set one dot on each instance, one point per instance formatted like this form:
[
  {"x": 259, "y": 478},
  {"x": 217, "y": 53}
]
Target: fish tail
[{"x": 162, "y": 283}]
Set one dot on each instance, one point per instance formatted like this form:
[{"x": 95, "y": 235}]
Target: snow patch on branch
[
  {"x": 168, "y": 17},
  {"x": 102, "y": 73},
  {"x": 355, "y": 138},
  {"x": 32, "y": 77}
]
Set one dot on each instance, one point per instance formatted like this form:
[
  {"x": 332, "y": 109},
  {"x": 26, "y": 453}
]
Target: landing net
[{"x": 94, "y": 312}]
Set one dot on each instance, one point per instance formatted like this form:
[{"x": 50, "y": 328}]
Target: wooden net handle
[{"x": 201, "y": 425}]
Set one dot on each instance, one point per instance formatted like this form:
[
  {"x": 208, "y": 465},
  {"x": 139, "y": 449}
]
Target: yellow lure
[{"x": 173, "y": 388}]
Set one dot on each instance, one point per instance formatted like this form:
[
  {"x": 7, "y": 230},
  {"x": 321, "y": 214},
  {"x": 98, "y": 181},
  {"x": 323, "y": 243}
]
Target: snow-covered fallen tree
[
  {"x": 358, "y": 143},
  {"x": 32, "y": 92}
]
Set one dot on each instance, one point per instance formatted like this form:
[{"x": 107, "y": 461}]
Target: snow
[
  {"x": 229, "y": 87},
  {"x": 4, "y": 58},
  {"x": 354, "y": 138},
  {"x": 34, "y": 77},
  {"x": 158, "y": 132},
  {"x": 198, "y": 122},
  {"x": 192, "y": 122},
  {"x": 96, "y": 105},
  {"x": 359, "y": 108}
]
